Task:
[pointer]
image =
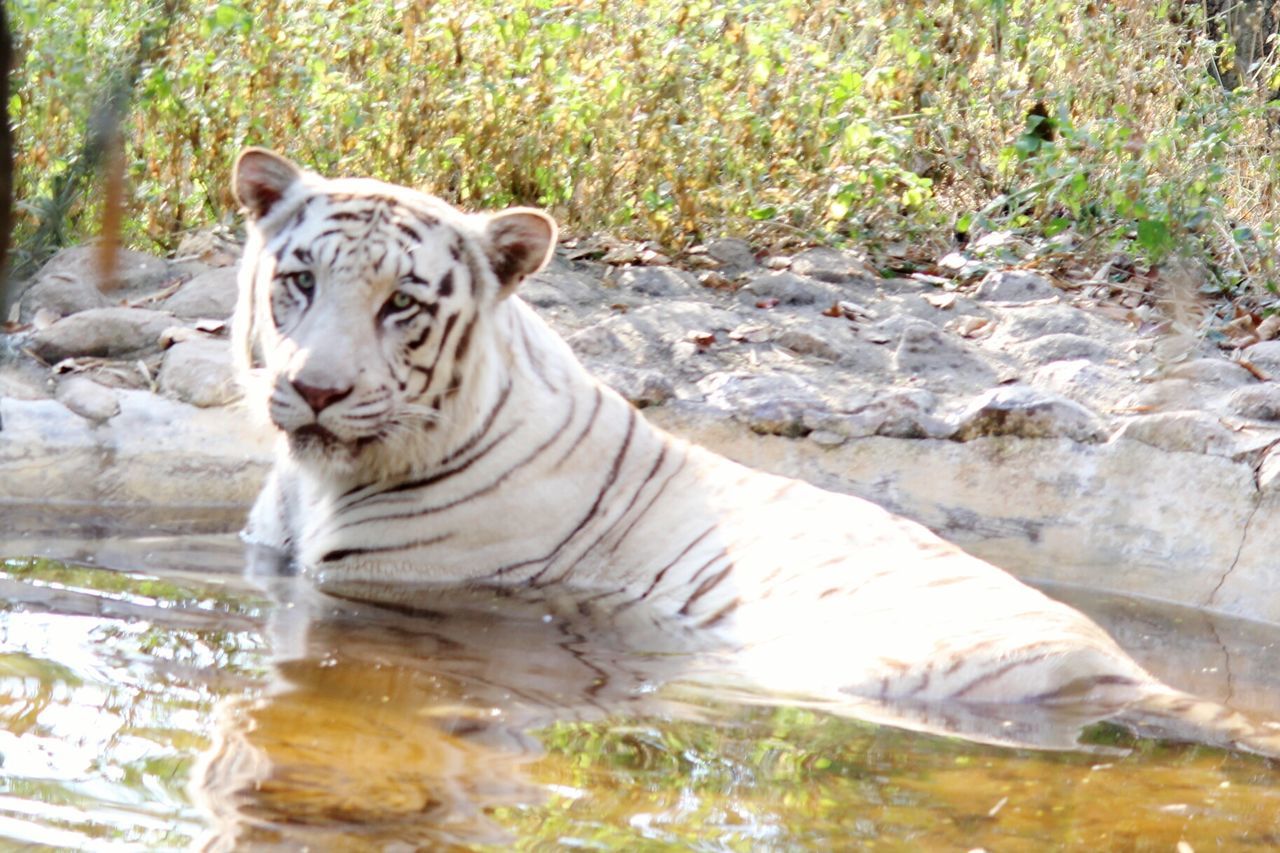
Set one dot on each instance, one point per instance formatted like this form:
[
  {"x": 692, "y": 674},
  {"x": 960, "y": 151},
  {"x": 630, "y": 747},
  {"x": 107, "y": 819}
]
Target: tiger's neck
[{"x": 548, "y": 477}]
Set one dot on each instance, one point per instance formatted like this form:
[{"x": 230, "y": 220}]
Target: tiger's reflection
[
  {"x": 409, "y": 724},
  {"x": 390, "y": 728}
]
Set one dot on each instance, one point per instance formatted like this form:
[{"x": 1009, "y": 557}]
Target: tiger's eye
[
  {"x": 304, "y": 280},
  {"x": 401, "y": 300}
]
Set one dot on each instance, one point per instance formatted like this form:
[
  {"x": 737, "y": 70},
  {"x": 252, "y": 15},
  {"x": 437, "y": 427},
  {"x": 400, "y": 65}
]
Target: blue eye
[{"x": 304, "y": 280}]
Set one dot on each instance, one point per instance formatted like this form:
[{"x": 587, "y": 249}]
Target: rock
[
  {"x": 1269, "y": 472},
  {"x": 60, "y": 295},
  {"x": 1266, "y": 357},
  {"x": 735, "y": 256},
  {"x": 767, "y": 404},
  {"x": 830, "y": 341},
  {"x": 598, "y": 341},
  {"x": 899, "y": 413},
  {"x": 1167, "y": 395},
  {"x": 657, "y": 281},
  {"x": 1260, "y": 402},
  {"x": 114, "y": 332},
  {"x": 212, "y": 246},
  {"x": 789, "y": 289},
  {"x": 1025, "y": 412},
  {"x": 1065, "y": 346},
  {"x": 1089, "y": 384},
  {"x": 557, "y": 287},
  {"x": 642, "y": 388},
  {"x": 88, "y": 399},
  {"x": 1036, "y": 321},
  {"x": 827, "y": 438},
  {"x": 1183, "y": 432},
  {"x": 1014, "y": 286},
  {"x": 154, "y": 453},
  {"x": 832, "y": 265},
  {"x": 1213, "y": 371},
  {"x": 199, "y": 372},
  {"x": 924, "y": 352},
  {"x": 210, "y": 294},
  {"x": 136, "y": 272}
]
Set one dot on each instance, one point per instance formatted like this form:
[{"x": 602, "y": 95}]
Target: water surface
[{"x": 159, "y": 701}]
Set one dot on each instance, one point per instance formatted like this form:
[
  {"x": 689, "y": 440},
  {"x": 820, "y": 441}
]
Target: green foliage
[{"x": 782, "y": 120}]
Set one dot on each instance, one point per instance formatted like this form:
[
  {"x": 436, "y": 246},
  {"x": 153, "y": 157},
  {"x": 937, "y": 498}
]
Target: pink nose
[{"x": 320, "y": 399}]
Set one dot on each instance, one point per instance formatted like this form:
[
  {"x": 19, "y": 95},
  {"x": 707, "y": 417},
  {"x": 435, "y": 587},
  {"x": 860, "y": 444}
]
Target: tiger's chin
[{"x": 374, "y": 458}]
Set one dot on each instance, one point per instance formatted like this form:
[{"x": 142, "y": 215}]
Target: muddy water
[{"x": 151, "y": 698}]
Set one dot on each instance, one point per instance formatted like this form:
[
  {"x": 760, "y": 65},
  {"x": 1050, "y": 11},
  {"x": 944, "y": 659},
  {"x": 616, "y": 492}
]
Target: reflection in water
[{"x": 501, "y": 724}]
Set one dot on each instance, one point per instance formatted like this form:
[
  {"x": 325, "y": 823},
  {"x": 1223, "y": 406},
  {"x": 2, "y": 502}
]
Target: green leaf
[{"x": 1153, "y": 235}]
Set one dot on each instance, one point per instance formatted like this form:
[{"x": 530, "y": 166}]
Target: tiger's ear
[
  {"x": 520, "y": 242},
  {"x": 260, "y": 179}
]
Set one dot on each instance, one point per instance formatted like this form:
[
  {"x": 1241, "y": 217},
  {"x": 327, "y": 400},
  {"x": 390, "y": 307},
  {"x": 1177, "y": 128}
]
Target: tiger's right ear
[{"x": 260, "y": 178}]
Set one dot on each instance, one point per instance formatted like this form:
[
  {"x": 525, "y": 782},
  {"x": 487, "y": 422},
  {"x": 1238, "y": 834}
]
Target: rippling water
[{"x": 176, "y": 704}]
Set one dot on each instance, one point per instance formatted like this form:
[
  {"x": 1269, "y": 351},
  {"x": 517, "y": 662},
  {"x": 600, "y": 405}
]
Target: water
[{"x": 162, "y": 701}]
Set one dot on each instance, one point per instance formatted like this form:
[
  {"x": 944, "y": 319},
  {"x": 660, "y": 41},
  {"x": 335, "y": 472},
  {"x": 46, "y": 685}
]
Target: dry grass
[{"x": 782, "y": 120}]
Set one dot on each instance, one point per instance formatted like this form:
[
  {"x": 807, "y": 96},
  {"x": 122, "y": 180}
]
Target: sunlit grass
[{"x": 782, "y": 120}]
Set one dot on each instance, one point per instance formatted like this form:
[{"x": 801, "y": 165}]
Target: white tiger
[{"x": 435, "y": 431}]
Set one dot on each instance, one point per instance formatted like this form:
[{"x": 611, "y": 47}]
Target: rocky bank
[{"x": 1068, "y": 430}]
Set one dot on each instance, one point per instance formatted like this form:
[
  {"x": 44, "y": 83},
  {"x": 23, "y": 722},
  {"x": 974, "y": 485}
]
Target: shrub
[{"x": 782, "y": 120}]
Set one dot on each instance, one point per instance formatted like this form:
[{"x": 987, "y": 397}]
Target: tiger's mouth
[
  {"x": 315, "y": 435},
  {"x": 315, "y": 438}
]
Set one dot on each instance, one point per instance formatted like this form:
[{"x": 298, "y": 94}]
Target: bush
[{"x": 782, "y": 120}]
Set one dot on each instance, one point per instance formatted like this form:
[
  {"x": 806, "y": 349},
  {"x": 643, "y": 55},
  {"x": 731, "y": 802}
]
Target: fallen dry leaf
[
  {"x": 703, "y": 340},
  {"x": 752, "y": 334},
  {"x": 1269, "y": 328},
  {"x": 1254, "y": 369},
  {"x": 771, "y": 302},
  {"x": 971, "y": 327},
  {"x": 716, "y": 281},
  {"x": 941, "y": 301}
]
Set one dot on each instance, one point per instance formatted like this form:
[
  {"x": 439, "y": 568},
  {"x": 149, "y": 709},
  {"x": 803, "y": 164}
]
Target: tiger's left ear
[{"x": 520, "y": 242}]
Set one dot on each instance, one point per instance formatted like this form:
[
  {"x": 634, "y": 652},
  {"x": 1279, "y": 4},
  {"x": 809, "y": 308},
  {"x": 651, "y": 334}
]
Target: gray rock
[
  {"x": 657, "y": 281},
  {"x": 1168, "y": 395},
  {"x": 560, "y": 288},
  {"x": 1036, "y": 321},
  {"x": 1213, "y": 371},
  {"x": 734, "y": 255},
  {"x": 1015, "y": 286},
  {"x": 1186, "y": 432},
  {"x": 1260, "y": 401},
  {"x": 640, "y": 387},
  {"x": 88, "y": 399},
  {"x": 898, "y": 413},
  {"x": 60, "y": 295},
  {"x": 1266, "y": 357},
  {"x": 789, "y": 289},
  {"x": 830, "y": 341},
  {"x": 924, "y": 351},
  {"x": 198, "y": 371},
  {"x": 1094, "y": 386},
  {"x": 1026, "y": 412},
  {"x": 832, "y": 265},
  {"x": 1269, "y": 471},
  {"x": 211, "y": 294},
  {"x": 114, "y": 332},
  {"x": 1064, "y": 346},
  {"x": 136, "y": 272},
  {"x": 768, "y": 404}
]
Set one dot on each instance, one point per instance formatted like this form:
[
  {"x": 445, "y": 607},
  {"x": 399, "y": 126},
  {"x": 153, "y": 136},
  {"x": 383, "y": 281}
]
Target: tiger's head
[{"x": 361, "y": 309}]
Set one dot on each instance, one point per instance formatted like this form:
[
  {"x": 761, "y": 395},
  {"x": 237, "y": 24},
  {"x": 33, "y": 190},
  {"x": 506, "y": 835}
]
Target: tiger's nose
[{"x": 320, "y": 399}]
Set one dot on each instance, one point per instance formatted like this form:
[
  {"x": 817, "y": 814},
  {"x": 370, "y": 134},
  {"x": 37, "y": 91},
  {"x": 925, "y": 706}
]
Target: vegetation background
[{"x": 1144, "y": 126}]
